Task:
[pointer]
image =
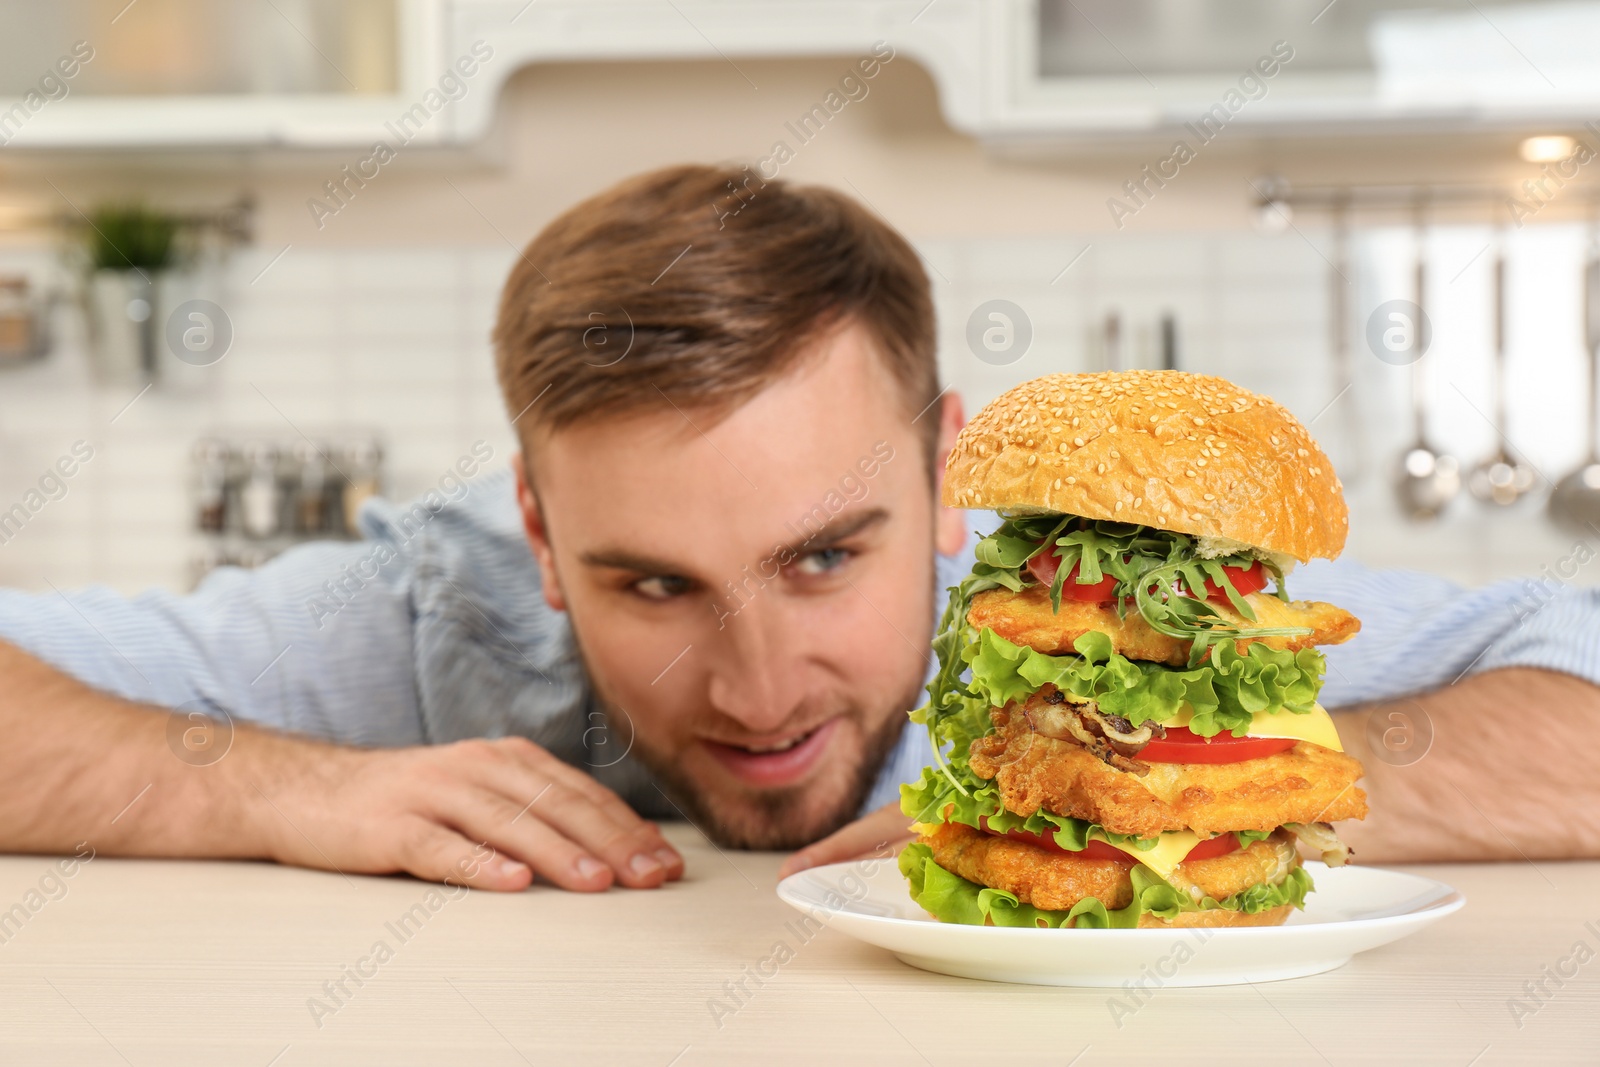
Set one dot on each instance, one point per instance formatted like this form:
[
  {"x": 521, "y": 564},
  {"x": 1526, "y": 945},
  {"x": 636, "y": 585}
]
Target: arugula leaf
[{"x": 951, "y": 898}]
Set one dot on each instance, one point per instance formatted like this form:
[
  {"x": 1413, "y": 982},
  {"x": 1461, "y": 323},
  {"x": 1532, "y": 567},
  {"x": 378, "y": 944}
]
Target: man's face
[{"x": 755, "y": 595}]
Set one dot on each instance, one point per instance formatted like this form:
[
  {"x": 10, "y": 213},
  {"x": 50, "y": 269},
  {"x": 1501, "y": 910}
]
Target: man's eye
[
  {"x": 661, "y": 587},
  {"x": 822, "y": 560}
]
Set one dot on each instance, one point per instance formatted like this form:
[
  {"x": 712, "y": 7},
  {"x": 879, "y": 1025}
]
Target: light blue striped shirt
[{"x": 433, "y": 629}]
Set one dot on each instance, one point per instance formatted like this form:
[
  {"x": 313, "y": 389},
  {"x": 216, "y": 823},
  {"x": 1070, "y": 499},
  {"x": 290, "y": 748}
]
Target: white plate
[{"x": 1353, "y": 909}]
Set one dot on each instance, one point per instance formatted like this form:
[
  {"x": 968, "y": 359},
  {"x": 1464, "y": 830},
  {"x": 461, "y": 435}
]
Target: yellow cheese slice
[
  {"x": 1174, "y": 845},
  {"x": 1315, "y": 726}
]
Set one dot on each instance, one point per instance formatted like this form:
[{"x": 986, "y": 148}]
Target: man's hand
[
  {"x": 428, "y": 812},
  {"x": 880, "y": 833}
]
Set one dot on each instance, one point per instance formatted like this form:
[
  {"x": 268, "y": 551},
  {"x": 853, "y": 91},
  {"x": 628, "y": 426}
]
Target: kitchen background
[{"x": 996, "y": 136}]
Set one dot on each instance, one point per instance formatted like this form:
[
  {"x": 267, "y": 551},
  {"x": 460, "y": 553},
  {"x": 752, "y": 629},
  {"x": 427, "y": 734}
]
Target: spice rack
[{"x": 253, "y": 496}]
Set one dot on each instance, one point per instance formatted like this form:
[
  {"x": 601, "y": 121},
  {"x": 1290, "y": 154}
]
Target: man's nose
[{"x": 756, "y": 678}]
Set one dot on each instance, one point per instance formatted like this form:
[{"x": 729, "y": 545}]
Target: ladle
[
  {"x": 1427, "y": 480},
  {"x": 1575, "y": 502},
  {"x": 1501, "y": 478}
]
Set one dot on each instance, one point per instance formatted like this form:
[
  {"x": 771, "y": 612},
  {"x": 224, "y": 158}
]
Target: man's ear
[
  {"x": 538, "y": 537},
  {"x": 951, "y": 532}
]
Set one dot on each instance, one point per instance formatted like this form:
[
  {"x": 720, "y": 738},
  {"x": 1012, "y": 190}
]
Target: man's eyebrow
[
  {"x": 834, "y": 532},
  {"x": 828, "y": 536}
]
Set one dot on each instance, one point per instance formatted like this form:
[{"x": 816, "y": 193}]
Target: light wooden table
[{"x": 167, "y": 963}]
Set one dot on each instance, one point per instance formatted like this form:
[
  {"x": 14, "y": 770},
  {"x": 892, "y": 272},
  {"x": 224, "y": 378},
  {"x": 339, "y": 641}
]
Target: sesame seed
[
  {"x": 1201, "y": 462},
  {"x": 1071, "y": 480},
  {"x": 1118, "y": 507},
  {"x": 1211, "y": 496},
  {"x": 1189, "y": 473},
  {"x": 1078, "y": 441}
]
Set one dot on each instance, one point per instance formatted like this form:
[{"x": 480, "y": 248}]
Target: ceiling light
[{"x": 1547, "y": 148}]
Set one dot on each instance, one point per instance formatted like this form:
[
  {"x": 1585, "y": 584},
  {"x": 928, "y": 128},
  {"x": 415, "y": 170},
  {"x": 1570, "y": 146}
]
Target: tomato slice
[
  {"x": 1044, "y": 566},
  {"x": 1096, "y": 849},
  {"x": 1246, "y": 580},
  {"x": 1183, "y": 746}
]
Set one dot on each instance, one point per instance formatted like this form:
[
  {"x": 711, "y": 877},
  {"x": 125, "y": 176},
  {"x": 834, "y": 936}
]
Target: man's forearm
[
  {"x": 1508, "y": 772},
  {"x": 80, "y": 768},
  {"x": 79, "y": 765}
]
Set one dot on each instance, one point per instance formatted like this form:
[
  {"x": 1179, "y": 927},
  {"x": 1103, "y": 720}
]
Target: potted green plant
[{"x": 130, "y": 248}]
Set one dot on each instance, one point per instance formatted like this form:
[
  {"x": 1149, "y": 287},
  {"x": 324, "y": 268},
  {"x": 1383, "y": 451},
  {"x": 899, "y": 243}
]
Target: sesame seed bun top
[{"x": 1184, "y": 452}]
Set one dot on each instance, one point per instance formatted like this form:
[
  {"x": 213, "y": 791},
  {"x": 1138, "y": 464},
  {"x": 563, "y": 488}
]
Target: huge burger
[{"x": 1125, "y": 720}]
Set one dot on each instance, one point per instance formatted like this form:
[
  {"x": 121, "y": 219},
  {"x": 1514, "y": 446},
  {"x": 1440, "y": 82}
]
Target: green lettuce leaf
[
  {"x": 951, "y": 898},
  {"x": 1225, "y": 692}
]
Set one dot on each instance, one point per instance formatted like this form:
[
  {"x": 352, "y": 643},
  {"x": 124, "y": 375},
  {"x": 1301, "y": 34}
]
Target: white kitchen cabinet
[{"x": 1029, "y": 74}]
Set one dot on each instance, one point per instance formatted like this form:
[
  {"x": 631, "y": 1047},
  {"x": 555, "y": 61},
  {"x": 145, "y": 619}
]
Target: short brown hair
[{"x": 711, "y": 280}]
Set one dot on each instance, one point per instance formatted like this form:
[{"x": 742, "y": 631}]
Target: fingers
[
  {"x": 430, "y": 851},
  {"x": 486, "y": 816},
  {"x": 589, "y": 815},
  {"x": 879, "y": 833}
]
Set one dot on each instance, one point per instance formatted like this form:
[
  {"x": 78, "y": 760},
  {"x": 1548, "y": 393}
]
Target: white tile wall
[{"x": 397, "y": 340}]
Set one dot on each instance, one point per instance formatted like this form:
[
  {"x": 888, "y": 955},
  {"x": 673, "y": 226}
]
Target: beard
[{"x": 789, "y": 817}]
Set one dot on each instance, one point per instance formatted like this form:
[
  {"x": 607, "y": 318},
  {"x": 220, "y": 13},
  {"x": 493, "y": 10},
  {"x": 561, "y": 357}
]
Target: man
[{"x": 706, "y": 591}]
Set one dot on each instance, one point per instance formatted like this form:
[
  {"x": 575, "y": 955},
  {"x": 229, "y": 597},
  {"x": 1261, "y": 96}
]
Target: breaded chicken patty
[
  {"x": 1055, "y": 882},
  {"x": 1307, "y": 783},
  {"x": 1025, "y": 618}
]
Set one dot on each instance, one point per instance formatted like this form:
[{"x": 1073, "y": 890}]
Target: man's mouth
[{"x": 779, "y": 762}]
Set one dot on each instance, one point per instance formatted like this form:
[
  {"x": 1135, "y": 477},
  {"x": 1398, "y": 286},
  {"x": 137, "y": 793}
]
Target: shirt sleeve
[
  {"x": 316, "y": 641},
  {"x": 1421, "y": 632}
]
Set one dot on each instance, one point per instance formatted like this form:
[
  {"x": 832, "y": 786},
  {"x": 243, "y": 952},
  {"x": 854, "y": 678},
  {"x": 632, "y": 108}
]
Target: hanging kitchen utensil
[
  {"x": 1575, "y": 502},
  {"x": 1427, "y": 480},
  {"x": 1111, "y": 341},
  {"x": 1501, "y": 478},
  {"x": 1340, "y": 283},
  {"x": 1169, "y": 341}
]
